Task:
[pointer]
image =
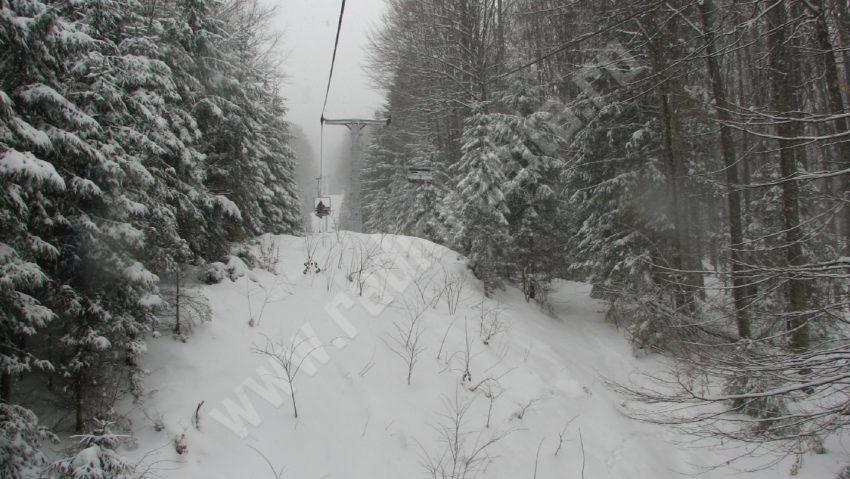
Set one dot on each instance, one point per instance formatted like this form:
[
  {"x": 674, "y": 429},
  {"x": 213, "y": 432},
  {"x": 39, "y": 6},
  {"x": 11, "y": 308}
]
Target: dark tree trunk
[
  {"x": 688, "y": 280},
  {"x": 733, "y": 195},
  {"x": 784, "y": 77},
  {"x": 79, "y": 416},
  {"x": 177, "y": 304},
  {"x": 842, "y": 19},
  {"x": 6, "y": 387},
  {"x": 836, "y": 106}
]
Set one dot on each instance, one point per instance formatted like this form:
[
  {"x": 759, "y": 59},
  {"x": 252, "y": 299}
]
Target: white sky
[{"x": 309, "y": 27}]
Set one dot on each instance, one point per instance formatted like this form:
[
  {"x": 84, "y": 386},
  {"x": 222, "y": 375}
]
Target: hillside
[{"x": 538, "y": 380}]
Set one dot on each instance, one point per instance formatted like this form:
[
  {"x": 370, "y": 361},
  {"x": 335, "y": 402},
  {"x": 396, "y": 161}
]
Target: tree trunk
[
  {"x": 685, "y": 298},
  {"x": 177, "y": 303},
  {"x": 688, "y": 280},
  {"x": 784, "y": 78},
  {"x": 836, "y": 106},
  {"x": 733, "y": 196},
  {"x": 79, "y": 422},
  {"x": 6, "y": 387},
  {"x": 842, "y": 18}
]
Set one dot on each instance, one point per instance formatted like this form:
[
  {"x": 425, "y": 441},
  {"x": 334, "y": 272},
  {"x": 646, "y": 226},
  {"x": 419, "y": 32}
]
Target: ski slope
[{"x": 539, "y": 378}]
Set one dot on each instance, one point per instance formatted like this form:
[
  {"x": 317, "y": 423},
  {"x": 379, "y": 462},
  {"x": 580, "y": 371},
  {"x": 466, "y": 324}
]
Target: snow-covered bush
[
  {"x": 268, "y": 253},
  {"x": 650, "y": 323},
  {"x": 20, "y": 437},
  {"x": 247, "y": 254},
  {"x": 213, "y": 273},
  {"x": 769, "y": 407},
  {"x": 236, "y": 268},
  {"x": 97, "y": 459}
]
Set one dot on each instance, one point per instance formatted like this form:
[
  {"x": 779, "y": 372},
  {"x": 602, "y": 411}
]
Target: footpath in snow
[{"x": 499, "y": 388}]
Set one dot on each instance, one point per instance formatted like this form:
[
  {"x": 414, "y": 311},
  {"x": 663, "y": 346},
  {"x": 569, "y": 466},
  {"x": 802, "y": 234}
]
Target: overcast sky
[{"x": 309, "y": 27}]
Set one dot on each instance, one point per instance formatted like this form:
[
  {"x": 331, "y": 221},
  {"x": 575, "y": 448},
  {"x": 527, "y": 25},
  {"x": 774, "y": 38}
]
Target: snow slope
[{"x": 358, "y": 417}]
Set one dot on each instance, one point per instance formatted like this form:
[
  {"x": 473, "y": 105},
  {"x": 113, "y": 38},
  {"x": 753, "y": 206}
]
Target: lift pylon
[{"x": 352, "y": 218}]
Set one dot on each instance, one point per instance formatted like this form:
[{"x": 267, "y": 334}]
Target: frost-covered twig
[
  {"x": 277, "y": 474},
  {"x": 467, "y": 376},
  {"x": 363, "y": 263},
  {"x": 537, "y": 458},
  {"x": 581, "y": 442},
  {"x": 561, "y": 435},
  {"x": 492, "y": 391},
  {"x": 269, "y": 253},
  {"x": 453, "y": 285},
  {"x": 490, "y": 325},
  {"x": 196, "y": 418},
  {"x": 523, "y": 408},
  {"x": 267, "y": 294},
  {"x": 446, "y": 335},
  {"x": 368, "y": 366}
]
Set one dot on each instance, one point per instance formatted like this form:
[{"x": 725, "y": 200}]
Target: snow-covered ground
[{"x": 539, "y": 378}]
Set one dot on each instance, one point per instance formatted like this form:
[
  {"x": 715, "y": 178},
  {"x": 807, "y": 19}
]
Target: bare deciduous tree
[{"x": 782, "y": 400}]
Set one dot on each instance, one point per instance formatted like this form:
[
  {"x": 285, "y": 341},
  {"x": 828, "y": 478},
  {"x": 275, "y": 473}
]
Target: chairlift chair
[{"x": 322, "y": 206}]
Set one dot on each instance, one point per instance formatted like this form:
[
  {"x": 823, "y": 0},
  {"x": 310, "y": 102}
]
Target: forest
[
  {"x": 136, "y": 139},
  {"x": 690, "y": 159}
]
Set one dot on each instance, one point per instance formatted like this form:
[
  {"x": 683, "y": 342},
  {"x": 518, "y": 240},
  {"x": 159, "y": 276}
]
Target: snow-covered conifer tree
[
  {"x": 483, "y": 232},
  {"x": 530, "y": 148}
]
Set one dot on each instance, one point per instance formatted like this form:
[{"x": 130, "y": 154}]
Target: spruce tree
[{"x": 483, "y": 233}]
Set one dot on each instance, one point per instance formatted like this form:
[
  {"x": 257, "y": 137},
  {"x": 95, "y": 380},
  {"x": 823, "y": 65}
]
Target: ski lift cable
[
  {"x": 333, "y": 59},
  {"x": 327, "y": 92}
]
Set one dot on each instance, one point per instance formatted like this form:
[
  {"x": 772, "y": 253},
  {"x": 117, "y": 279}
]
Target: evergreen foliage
[{"x": 135, "y": 137}]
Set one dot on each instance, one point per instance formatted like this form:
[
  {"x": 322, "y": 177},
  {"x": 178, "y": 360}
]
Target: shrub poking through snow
[
  {"x": 269, "y": 253},
  {"x": 184, "y": 306},
  {"x": 290, "y": 358},
  {"x": 462, "y": 453},
  {"x": 180, "y": 444},
  {"x": 405, "y": 342}
]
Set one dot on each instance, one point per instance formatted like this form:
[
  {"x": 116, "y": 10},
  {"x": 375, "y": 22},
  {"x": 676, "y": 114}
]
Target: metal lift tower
[{"x": 352, "y": 218}]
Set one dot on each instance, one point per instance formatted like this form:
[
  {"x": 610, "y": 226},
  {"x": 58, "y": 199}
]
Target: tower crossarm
[
  {"x": 353, "y": 217},
  {"x": 354, "y": 121}
]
